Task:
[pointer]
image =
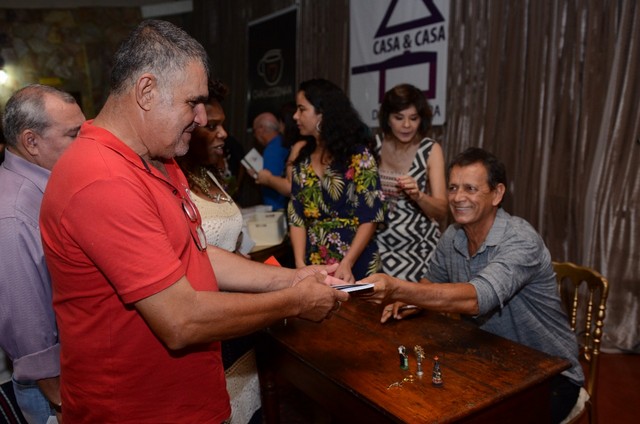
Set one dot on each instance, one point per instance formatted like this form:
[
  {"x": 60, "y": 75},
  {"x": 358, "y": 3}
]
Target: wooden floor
[
  {"x": 617, "y": 400},
  {"x": 618, "y": 396}
]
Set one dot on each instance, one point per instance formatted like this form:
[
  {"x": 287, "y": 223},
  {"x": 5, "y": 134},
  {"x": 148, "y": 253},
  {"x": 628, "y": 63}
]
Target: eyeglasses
[{"x": 197, "y": 233}]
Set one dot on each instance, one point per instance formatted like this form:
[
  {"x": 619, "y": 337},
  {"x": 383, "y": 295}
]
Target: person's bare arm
[
  {"x": 281, "y": 184},
  {"x": 443, "y": 297},
  {"x": 298, "y": 236},
  {"x": 50, "y": 388},
  {"x": 181, "y": 316},
  {"x": 239, "y": 274}
]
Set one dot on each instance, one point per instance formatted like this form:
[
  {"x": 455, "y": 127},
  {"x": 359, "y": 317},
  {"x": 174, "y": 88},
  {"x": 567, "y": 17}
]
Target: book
[
  {"x": 271, "y": 260},
  {"x": 253, "y": 161},
  {"x": 355, "y": 288}
]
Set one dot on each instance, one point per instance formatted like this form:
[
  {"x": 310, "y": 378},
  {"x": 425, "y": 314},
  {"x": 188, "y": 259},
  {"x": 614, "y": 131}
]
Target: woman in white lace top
[
  {"x": 203, "y": 165},
  {"x": 222, "y": 222}
]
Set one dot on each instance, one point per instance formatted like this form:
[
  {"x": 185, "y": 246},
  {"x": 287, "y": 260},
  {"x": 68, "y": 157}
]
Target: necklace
[{"x": 202, "y": 182}]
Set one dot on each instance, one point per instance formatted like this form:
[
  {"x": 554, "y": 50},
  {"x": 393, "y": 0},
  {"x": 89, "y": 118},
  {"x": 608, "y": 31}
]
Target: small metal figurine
[
  {"x": 419, "y": 357},
  {"x": 404, "y": 359},
  {"x": 436, "y": 376}
]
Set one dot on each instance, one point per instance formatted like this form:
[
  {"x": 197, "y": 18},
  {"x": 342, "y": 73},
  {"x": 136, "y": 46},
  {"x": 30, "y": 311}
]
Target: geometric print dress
[{"x": 408, "y": 237}]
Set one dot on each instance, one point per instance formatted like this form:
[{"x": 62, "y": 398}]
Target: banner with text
[
  {"x": 272, "y": 63},
  {"x": 394, "y": 42}
]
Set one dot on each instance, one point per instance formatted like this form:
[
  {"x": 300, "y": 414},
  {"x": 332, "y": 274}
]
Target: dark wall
[
  {"x": 323, "y": 39},
  {"x": 70, "y": 49}
]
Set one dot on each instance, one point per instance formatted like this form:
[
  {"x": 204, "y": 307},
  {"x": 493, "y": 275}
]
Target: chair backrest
[{"x": 586, "y": 308}]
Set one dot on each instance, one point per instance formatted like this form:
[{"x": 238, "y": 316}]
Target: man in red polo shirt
[{"x": 137, "y": 302}]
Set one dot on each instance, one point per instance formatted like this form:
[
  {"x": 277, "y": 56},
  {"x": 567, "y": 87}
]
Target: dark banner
[{"x": 272, "y": 63}]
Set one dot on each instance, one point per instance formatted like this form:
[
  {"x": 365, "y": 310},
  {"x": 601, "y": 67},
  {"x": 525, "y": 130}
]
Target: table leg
[{"x": 268, "y": 384}]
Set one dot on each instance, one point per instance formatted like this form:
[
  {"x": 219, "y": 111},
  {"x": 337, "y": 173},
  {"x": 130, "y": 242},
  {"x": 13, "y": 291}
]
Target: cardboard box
[
  {"x": 267, "y": 228},
  {"x": 249, "y": 213}
]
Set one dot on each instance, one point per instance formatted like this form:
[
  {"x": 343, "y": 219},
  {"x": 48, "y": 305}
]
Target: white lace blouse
[{"x": 221, "y": 222}]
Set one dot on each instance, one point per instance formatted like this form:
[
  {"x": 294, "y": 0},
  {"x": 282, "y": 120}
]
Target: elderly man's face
[
  {"x": 65, "y": 121},
  {"x": 471, "y": 200}
]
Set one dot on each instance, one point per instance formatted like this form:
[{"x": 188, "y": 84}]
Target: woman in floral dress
[{"x": 336, "y": 196}]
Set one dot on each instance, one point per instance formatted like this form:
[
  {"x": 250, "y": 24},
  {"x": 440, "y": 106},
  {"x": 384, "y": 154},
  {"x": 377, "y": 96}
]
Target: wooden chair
[{"x": 586, "y": 309}]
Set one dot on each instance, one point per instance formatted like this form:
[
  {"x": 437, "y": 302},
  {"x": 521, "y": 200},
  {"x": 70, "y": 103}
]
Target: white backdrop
[{"x": 398, "y": 41}]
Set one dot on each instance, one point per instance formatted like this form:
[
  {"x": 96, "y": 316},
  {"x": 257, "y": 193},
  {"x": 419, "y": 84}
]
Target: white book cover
[
  {"x": 253, "y": 161},
  {"x": 354, "y": 288}
]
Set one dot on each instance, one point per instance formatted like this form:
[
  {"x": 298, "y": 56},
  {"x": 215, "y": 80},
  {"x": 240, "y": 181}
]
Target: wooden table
[{"x": 346, "y": 364}]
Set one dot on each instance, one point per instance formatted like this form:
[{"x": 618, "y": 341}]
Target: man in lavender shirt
[{"x": 39, "y": 123}]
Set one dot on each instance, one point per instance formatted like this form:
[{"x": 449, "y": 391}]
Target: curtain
[{"x": 551, "y": 87}]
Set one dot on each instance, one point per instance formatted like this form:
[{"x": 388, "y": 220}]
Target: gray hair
[
  {"x": 267, "y": 120},
  {"x": 272, "y": 125},
  {"x": 158, "y": 47},
  {"x": 26, "y": 110}
]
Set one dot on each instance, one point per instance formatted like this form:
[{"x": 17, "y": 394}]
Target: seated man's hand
[
  {"x": 383, "y": 289},
  {"x": 384, "y": 292},
  {"x": 398, "y": 310}
]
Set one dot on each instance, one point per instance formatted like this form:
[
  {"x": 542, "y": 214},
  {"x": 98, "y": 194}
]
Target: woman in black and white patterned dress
[{"x": 413, "y": 181}]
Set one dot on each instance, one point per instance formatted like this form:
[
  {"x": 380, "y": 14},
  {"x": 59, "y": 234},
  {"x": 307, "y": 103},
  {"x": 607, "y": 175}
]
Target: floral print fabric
[{"x": 332, "y": 207}]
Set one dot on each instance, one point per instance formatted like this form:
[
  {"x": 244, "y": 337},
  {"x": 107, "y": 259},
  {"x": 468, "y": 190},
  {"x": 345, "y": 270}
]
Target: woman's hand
[
  {"x": 344, "y": 272},
  {"x": 263, "y": 177},
  {"x": 410, "y": 186}
]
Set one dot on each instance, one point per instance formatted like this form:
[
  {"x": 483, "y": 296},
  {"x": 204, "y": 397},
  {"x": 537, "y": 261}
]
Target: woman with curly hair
[
  {"x": 203, "y": 165},
  {"x": 336, "y": 196}
]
